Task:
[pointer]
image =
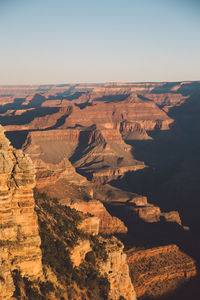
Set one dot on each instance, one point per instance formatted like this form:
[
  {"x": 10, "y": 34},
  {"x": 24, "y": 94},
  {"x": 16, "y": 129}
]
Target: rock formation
[
  {"x": 133, "y": 131},
  {"x": 19, "y": 238},
  {"x": 147, "y": 114},
  {"x": 108, "y": 224},
  {"x": 61, "y": 229},
  {"x": 103, "y": 155},
  {"x": 78, "y": 261},
  {"x": 117, "y": 271},
  {"x": 100, "y": 154},
  {"x": 150, "y": 213},
  {"x": 84, "y": 131},
  {"x": 165, "y": 100},
  {"x": 157, "y": 271},
  {"x": 50, "y": 151}
]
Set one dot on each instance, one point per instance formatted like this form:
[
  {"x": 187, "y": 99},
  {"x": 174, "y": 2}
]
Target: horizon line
[{"x": 97, "y": 83}]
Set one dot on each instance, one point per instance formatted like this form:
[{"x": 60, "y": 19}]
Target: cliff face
[
  {"x": 49, "y": 118},
  {"x": 133, "y": 131},
  {"x": 157, "y": 271},
  {"x": 78, "y": 262},
  {"x": 107, "y": 223},
  {"x": 68, "y": 241},
  {"x": 50, "y": 151},
  {"x": 165, "y": 100},
  {"x": 147, "y": 114},
  {"x": 99, "y": 153},
  {"x": 102, "y": 155},
  {"x": 117, "y": 271},
  {"x": 19, "y": 238}
]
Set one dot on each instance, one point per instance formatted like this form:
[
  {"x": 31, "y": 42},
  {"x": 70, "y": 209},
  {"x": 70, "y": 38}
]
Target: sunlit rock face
[
  {"x": 19, "y": 238},
  {"x": 107, "y": 224},
  {"x": 160, "y": 270},
  {"x": 147, "y": 114},
  {"x": 117, "y": 270}
]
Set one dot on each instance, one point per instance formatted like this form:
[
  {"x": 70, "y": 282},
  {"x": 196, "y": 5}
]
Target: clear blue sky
[{"x": 61, "y": 41}]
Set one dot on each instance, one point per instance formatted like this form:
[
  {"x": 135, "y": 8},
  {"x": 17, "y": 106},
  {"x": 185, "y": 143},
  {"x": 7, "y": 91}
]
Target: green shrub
[{"x": 58, "y": 226}]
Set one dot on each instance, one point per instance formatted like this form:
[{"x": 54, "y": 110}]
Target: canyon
[
  {"x": 125, "y": 155},
  {"x": 34, "y": 228}
]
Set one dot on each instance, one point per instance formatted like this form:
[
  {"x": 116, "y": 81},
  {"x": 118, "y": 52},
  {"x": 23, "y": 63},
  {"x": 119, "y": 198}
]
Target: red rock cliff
[{"x": 19, "y": 238}]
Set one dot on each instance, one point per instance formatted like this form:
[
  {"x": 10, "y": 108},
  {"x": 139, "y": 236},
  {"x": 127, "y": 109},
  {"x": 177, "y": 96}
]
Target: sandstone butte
[
  {"x": 20, "y": 241},
  {"x": 101, "y": 154}
]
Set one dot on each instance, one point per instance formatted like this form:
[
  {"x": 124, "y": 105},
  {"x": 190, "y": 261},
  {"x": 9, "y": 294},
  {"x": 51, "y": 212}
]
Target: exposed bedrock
[
  {"x": 108, "y": 224},
  {"x": 147, "y": 114},
  {"x": 158, "y": 271},
  {"x": 20, "y": 241},
  {"x": 100, "y": 154}
]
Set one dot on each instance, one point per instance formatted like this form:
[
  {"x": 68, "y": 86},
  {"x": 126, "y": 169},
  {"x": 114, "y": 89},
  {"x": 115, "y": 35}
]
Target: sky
[{"x": 80, "y": 41}]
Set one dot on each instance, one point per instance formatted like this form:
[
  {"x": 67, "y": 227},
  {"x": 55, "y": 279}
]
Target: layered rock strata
[
  {"x": 72, "y": 249},
  {"x": 103, "y": 155},
  {"x": 114, "y": 267},
  {"x": 108, "y": 224},
  {"x": 100, "y": 154},
  {"x": 147, "y": 114},
  {"x": 19, "y": 238},
  {"x": 157, "y": 271},
  {"x": 50, "y": 151},
  {"x": 117, "y": 271},
  {"x": 151, "y": 213}
]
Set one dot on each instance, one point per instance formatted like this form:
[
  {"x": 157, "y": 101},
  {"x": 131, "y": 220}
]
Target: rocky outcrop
[
  {"x": 157, "y": 271},
  {"x": 151, "y": 213},
  {"x": 172, "y": 216},
  {"x": 79, "y": 262},
  {"x": 78, "y": 253},
  {"x": 7, "y": 286},
  {"x": 117, "y": 271},
  {"x": 165, "y": 100},
  {"x": 108, "y": 224},
  {"x": 90, "y": 225},
  {"x": 114, "y": 266},
  {"x": 19, "y": 238},
  {"x": 133, "y": 131}
]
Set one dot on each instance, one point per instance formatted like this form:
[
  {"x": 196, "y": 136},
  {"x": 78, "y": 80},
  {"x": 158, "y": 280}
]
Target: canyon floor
[{"x": 127, "y": 154}]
